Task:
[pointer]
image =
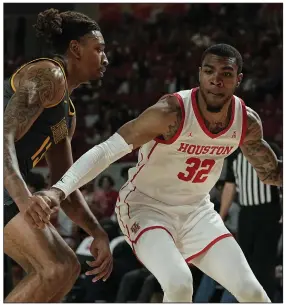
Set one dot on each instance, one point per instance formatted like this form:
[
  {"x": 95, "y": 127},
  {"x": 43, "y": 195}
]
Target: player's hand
[
  {"x": 38, "y": 211},
  {"x": 103, "y": 260},
  {"x": 42, "y": 204}
]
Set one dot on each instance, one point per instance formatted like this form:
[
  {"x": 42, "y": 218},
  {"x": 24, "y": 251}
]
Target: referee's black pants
[{"x": 258, "y": 234}]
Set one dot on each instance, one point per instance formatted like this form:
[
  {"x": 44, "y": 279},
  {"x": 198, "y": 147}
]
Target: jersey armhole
[
  {"x": 53, "y": 105},
  {"x": 71, "y": 108},
  {"x": 244, "y": 122},
  {"x": 177, "y": 134}
]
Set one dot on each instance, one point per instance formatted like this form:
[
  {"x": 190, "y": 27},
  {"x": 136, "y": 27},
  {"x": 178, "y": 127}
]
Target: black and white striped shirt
[{"x": 250, "y": 189}]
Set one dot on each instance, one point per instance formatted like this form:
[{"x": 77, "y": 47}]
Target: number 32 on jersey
[{"x": 197, "y": 170}]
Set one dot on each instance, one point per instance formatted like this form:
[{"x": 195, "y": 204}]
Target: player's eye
[
  {"x": 208, "y": 71},
  {"x": 227, "y": 74}
]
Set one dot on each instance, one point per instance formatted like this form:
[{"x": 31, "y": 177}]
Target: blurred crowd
[{"x": 150, "y": 57}]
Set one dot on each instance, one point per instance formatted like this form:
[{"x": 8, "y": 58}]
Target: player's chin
[
  {"x": 97, "y": 76},
  {"x": 214, "y": 105}
]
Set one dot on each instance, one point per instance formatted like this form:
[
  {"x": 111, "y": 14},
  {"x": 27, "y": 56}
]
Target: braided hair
[{"x": 58, "y": 29}]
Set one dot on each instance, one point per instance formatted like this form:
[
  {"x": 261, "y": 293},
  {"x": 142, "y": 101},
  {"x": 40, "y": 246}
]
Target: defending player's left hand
[
  {"x": 103, "y": 260},
  {"x": 42, "y": 205},
  {"x": 37, "y": 212}
]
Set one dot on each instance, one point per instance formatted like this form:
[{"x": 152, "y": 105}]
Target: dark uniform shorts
[{"x": 10, "y": 208}]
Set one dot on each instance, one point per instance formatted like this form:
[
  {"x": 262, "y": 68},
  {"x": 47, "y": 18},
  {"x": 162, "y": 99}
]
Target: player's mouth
[
  {"x": 216, "y": 94},
  {"x": 102, "y": 70}
]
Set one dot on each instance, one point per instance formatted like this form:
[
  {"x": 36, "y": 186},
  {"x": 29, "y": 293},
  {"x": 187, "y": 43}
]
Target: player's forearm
[
  {"x": 13, "y": 180},
  {"x": 92, "y": 163},
  {"x": 79, "y": 212},
  {"x": 226, "y": 199},
  {"x": 273, "y": 177}
]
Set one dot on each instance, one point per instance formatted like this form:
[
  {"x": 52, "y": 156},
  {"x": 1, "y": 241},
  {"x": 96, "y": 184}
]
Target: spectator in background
[{"x": 105, "y": 197}]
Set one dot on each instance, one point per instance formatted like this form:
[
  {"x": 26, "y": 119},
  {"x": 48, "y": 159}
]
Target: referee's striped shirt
[{"x": 251, "y": 190}]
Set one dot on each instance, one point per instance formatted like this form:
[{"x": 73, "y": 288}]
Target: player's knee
[
  {"x": 251, "y": 292},
  {"x": 61, "y": 269},
  {"x": 179, "y": 287},
  {"x": 72, "y": 265}
]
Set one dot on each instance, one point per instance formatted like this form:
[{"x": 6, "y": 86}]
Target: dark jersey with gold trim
[{"x": 50, "y": 128}]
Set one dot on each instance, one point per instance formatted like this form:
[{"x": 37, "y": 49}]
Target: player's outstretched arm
[
  {"x": 258, "y": 152},
  {"x": 161, "y": 119},
  {"x": 59, "y": 158},
  {"x": 42, "y": 85}
]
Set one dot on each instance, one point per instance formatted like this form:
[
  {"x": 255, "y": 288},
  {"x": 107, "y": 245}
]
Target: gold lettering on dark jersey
[{"x": 60, "y": 131}]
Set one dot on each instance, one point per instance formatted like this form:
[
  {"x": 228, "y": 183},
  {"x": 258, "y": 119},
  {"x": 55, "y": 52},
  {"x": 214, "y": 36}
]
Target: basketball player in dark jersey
[{"x": 39, "y": 120}]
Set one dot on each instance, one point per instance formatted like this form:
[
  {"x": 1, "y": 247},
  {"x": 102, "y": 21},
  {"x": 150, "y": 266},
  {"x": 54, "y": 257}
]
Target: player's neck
[
  {"x": 214, "y": 121},
  {"x": 73, "y": 80}
]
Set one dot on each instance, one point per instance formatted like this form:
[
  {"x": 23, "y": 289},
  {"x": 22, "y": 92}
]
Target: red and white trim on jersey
[
  {"x": 244, "y": 122},
  {"x": 130, "y": 181},
  {"x": 139, "y": 169},
  {"x": 175, "y": 137},
  {"x": 201, "y": 121}
]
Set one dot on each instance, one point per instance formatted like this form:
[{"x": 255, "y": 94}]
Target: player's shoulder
[
  {"x": 186, "y": 93},
  {"x": 47, "y": 78},
  {"x": 45, "y": 68},
  {"x": 254, "y": 125},
  {"x": 168, "y": 103},
  {"x": 252, "y": 116},
  {"x": 173, "y": 102}
]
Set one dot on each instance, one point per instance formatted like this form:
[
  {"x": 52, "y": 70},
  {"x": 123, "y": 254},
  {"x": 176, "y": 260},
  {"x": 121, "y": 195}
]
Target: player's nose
[
  {"x": 217, "y": 81},
  {"x": 105, "y": 61}
]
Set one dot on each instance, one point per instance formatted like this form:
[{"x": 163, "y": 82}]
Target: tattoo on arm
[
  {"x": 259, "y": 153},
  {"x": 173, "y": 107},
  {"x": 38, "y": 88}
]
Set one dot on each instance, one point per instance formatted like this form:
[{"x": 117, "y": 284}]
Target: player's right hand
[{"x": 38, "y": 212}]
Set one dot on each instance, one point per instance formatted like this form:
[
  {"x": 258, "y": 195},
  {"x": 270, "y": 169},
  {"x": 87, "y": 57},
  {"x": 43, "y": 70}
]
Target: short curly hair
[
  {"x": 225, "y": 50},
  {"x": 58, "y": 29}
]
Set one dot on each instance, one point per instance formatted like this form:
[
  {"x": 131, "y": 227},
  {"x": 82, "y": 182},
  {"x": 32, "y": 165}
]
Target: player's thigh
[
  {"x": 226, "y": 264},
  {"x": 157, "y": 250},
  {"x": 40, "y": 249},
  {"x": 201, "y": 232},
  {"x": 138, "y": 214}
]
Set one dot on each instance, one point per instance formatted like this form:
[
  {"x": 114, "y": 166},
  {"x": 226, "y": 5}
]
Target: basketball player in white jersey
[{"x": 164, "y": 209}]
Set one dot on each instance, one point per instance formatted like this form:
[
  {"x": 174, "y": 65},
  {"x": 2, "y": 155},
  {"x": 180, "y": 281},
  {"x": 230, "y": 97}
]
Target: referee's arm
[{"x": 228, "y": 191}]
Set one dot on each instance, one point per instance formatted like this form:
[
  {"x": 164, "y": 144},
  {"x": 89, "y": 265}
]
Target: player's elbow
[{"x": 271, "y": 179}]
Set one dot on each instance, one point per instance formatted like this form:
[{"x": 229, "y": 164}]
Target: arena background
[{"x": 153, "y": 49}]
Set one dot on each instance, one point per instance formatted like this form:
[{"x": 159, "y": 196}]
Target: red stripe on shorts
[{"x": 208, "y": 246}]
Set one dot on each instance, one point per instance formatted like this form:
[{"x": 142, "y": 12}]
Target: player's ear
[
  {"x": 239, "y": 79},
  {"x": 74, "y": 48}
]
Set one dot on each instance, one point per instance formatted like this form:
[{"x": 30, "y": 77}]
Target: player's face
[
  {"x": 218, "y": 80},
  {"x": 93, "y": 58}
]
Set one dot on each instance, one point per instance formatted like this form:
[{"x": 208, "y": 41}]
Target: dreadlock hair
[
  {"x": 58, "y": 29},
  {"x": 225, "y": 50}
]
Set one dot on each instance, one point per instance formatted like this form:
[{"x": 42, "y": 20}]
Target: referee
[{"x": 258, "y": 225}]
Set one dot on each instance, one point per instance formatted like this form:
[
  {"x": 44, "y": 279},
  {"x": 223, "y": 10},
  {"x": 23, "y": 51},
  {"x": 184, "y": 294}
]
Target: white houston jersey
[{"x": 182, "y": 170}]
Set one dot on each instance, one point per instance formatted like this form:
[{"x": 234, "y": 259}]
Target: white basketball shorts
[{"x": 193, "y": 231}]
